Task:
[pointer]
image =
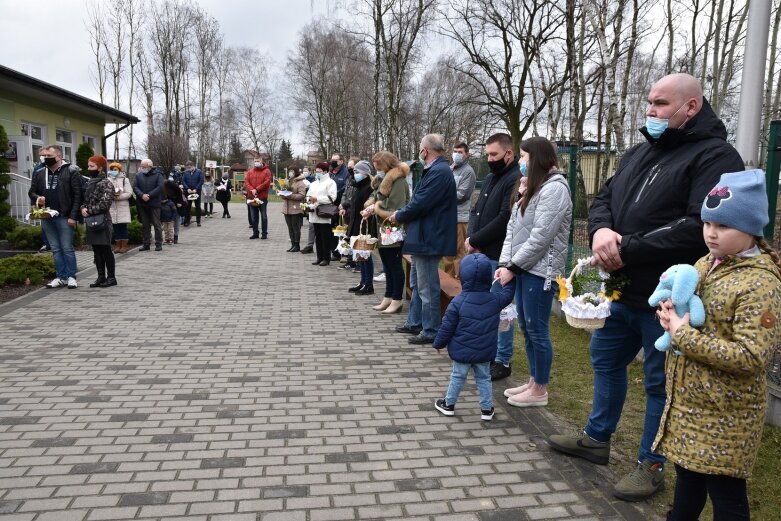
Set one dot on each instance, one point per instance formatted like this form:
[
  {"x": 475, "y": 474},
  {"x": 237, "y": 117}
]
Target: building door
[{"x": 20, "y": 155}]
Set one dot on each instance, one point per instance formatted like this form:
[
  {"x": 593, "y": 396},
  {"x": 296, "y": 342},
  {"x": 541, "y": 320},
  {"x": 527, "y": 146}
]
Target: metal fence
[{"x": 20, "y": 202}]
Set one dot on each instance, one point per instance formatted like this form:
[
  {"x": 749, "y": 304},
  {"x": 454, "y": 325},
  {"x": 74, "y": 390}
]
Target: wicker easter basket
[
  {"x": 364, "y": 241},
  {"x": 340, "y": 230},
  {"x": 583, "y": 296}
]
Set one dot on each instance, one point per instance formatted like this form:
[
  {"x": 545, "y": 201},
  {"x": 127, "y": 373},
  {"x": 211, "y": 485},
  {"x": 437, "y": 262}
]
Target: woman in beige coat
[{"x": 120, "y": 209}]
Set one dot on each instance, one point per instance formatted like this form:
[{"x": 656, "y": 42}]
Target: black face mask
[
  {"x": 351, "y": 170},
  {"x": 498, "y": 166},
  {"x": 334, "y": 164},
  {"x": 49, "y": 161},
  {"x": 93, "y": 173}
]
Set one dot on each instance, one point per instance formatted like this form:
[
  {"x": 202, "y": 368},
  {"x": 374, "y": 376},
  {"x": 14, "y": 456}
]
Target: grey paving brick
[
  {"x": 99, "y": 514},
  {"x": 9, "y": 507},
  {"x": 221, "y": 463},
  {"x": 282, "y": 492},
  {"x": 144, "y": 498},
  {"x": 94, "y": 468}
]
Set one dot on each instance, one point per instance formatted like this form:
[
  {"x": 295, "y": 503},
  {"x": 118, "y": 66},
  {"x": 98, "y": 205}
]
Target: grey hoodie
[{"x": 536, "y": 242}]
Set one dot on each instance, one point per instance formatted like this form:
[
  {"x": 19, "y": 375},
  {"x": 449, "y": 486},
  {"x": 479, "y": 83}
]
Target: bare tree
[
  {"x": 252, "y": 95},
  {"x": 490, "y": 32},
  {"x": 134, "y": 16},
  {"x": 207, "y": 43},
  {"x": 116, "y": 47},
  {"x": 166, "y": 149},
  {"x": 97, "y": 35}
]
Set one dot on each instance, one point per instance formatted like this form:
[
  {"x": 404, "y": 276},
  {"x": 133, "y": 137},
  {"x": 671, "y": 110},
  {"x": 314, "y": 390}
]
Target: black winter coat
[
  {"x": 490, "y": 214},
  {"x": 150, "y": 183},
  {"x": 362, "y": 192},
  {"x": 69, "y": 189},
  {"x": 654, "y": 200}
]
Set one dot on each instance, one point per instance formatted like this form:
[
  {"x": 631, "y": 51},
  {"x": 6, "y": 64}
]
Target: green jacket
[{"x": 717, "y": 390}]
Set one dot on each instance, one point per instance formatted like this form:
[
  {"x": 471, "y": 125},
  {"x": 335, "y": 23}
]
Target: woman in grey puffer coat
[{"x": 535, "y": 251}]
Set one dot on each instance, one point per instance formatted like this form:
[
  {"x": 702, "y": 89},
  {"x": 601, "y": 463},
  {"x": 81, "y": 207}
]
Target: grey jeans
[{"x": 150, "y": 217}]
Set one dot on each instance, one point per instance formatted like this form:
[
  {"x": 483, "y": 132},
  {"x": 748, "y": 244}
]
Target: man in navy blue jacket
[
  {"x": 431, "y": 218},
  {"x": 192, "y": 181}
]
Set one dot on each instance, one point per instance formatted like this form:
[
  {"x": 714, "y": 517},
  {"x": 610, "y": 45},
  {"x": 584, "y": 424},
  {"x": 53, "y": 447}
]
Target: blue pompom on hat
[{"x": 738, "y": 201}]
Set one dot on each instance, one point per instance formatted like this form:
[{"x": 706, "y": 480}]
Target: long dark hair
[{"x": 542, "y": 158}]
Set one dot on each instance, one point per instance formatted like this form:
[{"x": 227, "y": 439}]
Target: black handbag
[
  {"x": 95, "y": 223},
  {"x": 327, "y": 211}
]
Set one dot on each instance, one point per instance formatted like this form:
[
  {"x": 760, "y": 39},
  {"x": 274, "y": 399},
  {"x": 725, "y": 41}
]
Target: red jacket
[{"x": 257, "y": 179}]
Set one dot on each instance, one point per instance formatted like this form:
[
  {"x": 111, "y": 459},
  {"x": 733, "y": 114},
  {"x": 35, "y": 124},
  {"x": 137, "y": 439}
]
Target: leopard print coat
[{"x": 717, "y": 390}]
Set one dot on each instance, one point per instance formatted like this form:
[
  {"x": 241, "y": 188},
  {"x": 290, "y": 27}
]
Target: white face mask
[
  {"x": 257, "y": 164},
  {"x": 458, "y": 158},
  {"x": 291, "y": 174}
]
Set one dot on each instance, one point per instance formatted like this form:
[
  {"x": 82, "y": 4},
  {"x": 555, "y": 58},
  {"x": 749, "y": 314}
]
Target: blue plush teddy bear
[{"x": 678, "y": 283}]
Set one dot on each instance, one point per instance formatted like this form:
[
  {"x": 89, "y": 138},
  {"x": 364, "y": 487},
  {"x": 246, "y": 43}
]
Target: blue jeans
[
  {"x": 534, "y": 304},
  {"x": 504, "y": 339},
  {"x": 424, "y": 304},
  {"x": 258, "y": 213},
  {"x": 60, "y": 236},
  {"x": 367, "y": 271},
  {"x": 613, "y": 348},
  {"x": 482, "y": 373}
]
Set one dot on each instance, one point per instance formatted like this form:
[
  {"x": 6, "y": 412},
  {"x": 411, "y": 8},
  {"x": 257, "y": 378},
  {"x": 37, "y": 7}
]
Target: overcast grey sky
[{"x": 51, "y": 42}]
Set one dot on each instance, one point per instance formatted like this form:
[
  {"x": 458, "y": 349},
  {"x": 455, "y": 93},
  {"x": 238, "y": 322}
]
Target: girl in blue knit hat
[{"x": 717, "y": 387}]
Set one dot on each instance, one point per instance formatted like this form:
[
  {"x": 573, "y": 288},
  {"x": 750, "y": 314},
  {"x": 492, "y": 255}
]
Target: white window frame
[
  {"x": 65, "y": 145},
  {"x": 92, "y": 141},
  {"x": 40, "y": 143}
]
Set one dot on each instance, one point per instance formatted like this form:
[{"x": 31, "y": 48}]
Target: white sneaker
[
  {"x": 72, "y": 284},
  {"x": 380, "y": 277},
  {"x": 56, "y": 283}
]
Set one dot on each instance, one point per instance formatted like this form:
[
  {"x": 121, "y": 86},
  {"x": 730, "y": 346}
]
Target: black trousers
[
  {"x": 225, "y": 208},
  {"x": 323, "y": 238},
  {"x": 294, "y": 223},
  {"x": 208, "y": 208},
  {"x": 728, "y": 495},
  {"x": 104, "y": 259},
  {"x": 150, "y": 217}
]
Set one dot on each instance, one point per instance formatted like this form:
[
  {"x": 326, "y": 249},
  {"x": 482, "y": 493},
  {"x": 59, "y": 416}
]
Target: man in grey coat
[{"x": 464, "y": 176}]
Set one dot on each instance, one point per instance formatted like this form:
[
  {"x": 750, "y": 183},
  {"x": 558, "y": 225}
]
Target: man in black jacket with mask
[
  {"x": 58, "y": 186},
  {"x": 645, "y": 219},
  {"x": 488, "y": 226}
]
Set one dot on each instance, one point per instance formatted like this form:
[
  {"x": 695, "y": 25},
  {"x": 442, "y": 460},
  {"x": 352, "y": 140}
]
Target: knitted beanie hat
[
  {"x": 738, "y": 201},
  {"x": 363, "y": 167}
]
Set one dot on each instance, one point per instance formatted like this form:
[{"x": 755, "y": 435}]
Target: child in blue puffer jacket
[{"x": 469, "y": 331}]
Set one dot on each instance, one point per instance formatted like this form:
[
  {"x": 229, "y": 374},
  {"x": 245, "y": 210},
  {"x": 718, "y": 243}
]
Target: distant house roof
[
  {"x": 255, "y": 154},
  {"x": 16, "y": 82},
  {"x": 238, "y": 167}
]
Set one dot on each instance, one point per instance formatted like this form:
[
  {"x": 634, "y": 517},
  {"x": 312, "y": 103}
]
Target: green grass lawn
[{"x": 571, "y": 389}]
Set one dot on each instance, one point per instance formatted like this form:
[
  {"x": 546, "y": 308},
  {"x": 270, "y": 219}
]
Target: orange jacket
[{"x": 257, "y": 179}]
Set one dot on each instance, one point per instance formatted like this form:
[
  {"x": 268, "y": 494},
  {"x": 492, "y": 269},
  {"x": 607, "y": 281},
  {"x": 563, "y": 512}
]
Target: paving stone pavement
[{"x": 225, "y": 379}]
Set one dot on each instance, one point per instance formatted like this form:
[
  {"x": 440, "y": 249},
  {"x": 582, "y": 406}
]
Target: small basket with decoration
[
  {"x": 340, "y": 230},
  {"x": 255, "y": 201},
  {"x": 586, "y": 295},
  {"x": 391, "y": 233},
  {"x": 306, "y": 206},
  {"x": 363, "y": 244},
  {"x": 39, "y": 212}
]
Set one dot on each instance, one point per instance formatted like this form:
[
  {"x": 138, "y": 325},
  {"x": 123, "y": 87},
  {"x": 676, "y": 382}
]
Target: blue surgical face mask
[
  {"x": 524, "y": 168},
  {"x": 113, "y": 173},
  {"x": 380, "y": 174},
  {"x": 143, "y": 170},
  {"x": 318, "y": 175},
  {"x": 657, "y": 126},
  {"x": 359, "y": 177},
  {"x": 458, "y": 158}
]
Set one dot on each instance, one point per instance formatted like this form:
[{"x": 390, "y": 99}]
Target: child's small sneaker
[
  {"x": 487, "y": 414},
  {"x": 444, "y": 408}
]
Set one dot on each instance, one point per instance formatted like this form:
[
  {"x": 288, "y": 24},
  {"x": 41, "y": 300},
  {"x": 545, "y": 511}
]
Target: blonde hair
[
  {"x": 387, "y": 160},
  {"x": 765, "y": 247},
  {"x": 116, "y": 166}
]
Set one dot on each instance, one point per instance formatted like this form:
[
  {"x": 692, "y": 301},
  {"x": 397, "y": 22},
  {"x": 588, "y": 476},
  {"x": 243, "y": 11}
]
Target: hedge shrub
[
  {"x": 25, "y": 238},
  {"x": 134, "y": 232},
  {"x": 7, "y": 225},
  {"x": 17, "y": 269}
]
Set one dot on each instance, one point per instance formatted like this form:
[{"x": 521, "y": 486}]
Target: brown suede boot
[{"x": 122, "y": 246}]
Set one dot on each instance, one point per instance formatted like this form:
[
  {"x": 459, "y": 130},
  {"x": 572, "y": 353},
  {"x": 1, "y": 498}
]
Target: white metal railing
[{"x": 20, "y": 201}]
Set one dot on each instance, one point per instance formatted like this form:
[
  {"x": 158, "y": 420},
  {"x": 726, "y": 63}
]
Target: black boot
[
  {"x": 366, "y": 290},
  {"x": 176, "y": 239},
  {"x": 111, "y": 281},
  {"x": 307, "y": 249},
  {"x": 101, "y": 275},
  {"x": 356, "y": 289},
  {"x": 295, "y": 248},
  {"x": 289, "y": 249}
]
